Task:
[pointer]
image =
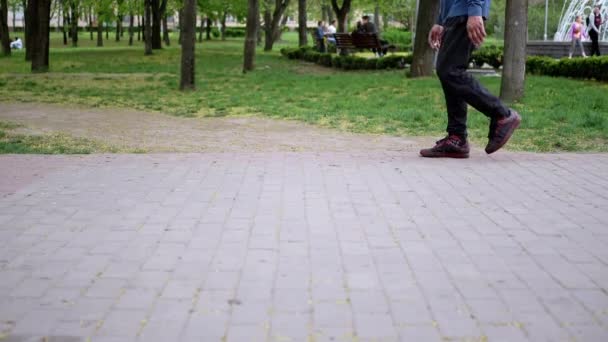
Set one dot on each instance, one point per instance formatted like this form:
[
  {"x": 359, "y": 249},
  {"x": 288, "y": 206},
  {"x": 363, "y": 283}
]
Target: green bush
[
  {"x": 346, "y": 62},
  {"x": 489, "y": 54},
  {"x": 585, "y": 68},
  {"x": 400, "y": 38}
]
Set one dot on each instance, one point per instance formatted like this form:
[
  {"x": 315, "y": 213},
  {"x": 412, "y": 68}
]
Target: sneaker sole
[
  {"x": 446, "y": 155},
  {"x": 507, "y": 137}
]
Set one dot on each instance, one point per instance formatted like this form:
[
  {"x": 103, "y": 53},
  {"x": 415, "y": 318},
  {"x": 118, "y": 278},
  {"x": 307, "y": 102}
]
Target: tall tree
[
  {"x": 302, "y": 23},
  {"x": 4, "y": 35},
  {"x": 341, "y": 13},
  {"x": 514, "y": 64},
  {"x": 64, "y": 24},
  {"x": 148, "y": 26},
  {"x": 422, "y": 61},
  {"x": 272, "y": 21},
  {"x": 74, "y": 8},
  {"x": 253, "y": 17},
  {"x": 188, "y": 28},
  {"x": 166, "y": 30},
  {"x": 28, "y": 15},
  {"x": 131, "y": 27},
  {"x": 158, "y": 8},
  {"x": 40, "y": 31}
]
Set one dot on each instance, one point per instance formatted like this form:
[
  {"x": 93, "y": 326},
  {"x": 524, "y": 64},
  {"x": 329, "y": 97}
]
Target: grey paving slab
[{"x": 275, "y": 246}]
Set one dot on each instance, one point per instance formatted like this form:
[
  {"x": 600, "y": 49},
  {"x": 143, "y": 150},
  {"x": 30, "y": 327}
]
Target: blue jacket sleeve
[{"x": 475, "y": 8}]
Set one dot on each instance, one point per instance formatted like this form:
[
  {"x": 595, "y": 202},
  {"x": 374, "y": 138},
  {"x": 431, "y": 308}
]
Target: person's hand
[
  {"x": 435, "y": 37},
  {"x": 476, "y": 30}
]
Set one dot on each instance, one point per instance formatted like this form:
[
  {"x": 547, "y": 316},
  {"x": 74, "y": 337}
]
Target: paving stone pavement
[{"x": 304, "y": 247}]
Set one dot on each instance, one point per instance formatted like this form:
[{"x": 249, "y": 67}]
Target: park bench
[{"x": 346, "y": 42}]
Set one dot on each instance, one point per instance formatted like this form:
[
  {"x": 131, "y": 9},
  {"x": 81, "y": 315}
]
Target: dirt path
[{"x": 154, "y": 132}]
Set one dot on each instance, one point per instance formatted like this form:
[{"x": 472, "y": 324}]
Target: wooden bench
[{"x": 346, "y": 42}]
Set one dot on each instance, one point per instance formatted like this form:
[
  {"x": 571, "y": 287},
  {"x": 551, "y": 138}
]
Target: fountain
[
  {"x": 583, "y": 8},
  {"x": 560, "y": 45}
]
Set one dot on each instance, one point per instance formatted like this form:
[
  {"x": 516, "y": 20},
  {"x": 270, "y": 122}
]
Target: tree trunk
[
  {"x": 14, "y": 17},
  {"x": 302, "y": 23},
  {"x": 341, "y": 14},
  {"x": 272, "y": 23},
  {"x": 29, "y": 37},
  {"x": 181, "y": 20},
  {"x": 208, "y": 29},
  {"x": 253, "y": 21},
  {"x": 65, "y": 34},
  {"x": 377, "y": 17},
  {"x": 514, "y": 63},
  {"x": 131, "y": 25},
  {"x": 90, "y": 24},
  {"x": 157, "y": 13},
  {"x": 424, "y": 55},
  {"x": 267, "y": 28},
  {"x": 74, "y": 26},
  {"x": 330, "y": 13},
  {"x": 139, "y": 28},
  {"x": 148, "y": 27},
  {"x": 4, "y": 35},
  {"x": 99, "y": 30},
  {"x": 41, "y": 31},
  {"x": 223, "y": 25},
  {"x": 278, "y": 34},
  {"x": 107, "y": 31},
  {"x": 259, "y": 28},
  {"x": 324, "y": 12},
  {"x": 166, "y": 30},
  {"x": 200, "y": 32},
  {"x": 118, "y": 24},
  {"x": 188, "y": 28},
  {"x": 60, "y": 17}
]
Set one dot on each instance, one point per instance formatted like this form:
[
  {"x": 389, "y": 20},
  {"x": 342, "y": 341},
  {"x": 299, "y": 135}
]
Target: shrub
[
  {"x": 586, "y": 68},
  {"x": 391, "y": 62},
  {"x": 400, "y": 38},
  {"x": 489, "y": 54}
]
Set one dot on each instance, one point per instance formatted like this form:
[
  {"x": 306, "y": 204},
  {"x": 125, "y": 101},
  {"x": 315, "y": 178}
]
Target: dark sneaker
[
  {"x": 449, "y": 147},
  {"x": 501, "y": 131}
]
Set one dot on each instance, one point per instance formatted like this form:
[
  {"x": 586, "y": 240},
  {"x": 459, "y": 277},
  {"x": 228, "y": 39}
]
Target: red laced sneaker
[
  {"x": 501, "y": 131},
  {"x": 451, "y": 146}
]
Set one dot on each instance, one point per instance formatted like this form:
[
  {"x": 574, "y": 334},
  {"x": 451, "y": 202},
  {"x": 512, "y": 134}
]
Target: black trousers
[
  {"x": 595, "y": 46},
  {"x": 459, "y": 87}
]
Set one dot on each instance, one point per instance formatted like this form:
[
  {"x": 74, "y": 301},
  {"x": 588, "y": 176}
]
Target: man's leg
[
  {"x": 452, "y": 64},
  {"x": 452, "y": 67}
]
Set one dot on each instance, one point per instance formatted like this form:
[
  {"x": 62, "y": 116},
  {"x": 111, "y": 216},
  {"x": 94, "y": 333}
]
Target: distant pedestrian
[
  {"x": 459, "y": 29},
  {"x": 577, "y": 32},
  {"x": 594, "y": 23}
]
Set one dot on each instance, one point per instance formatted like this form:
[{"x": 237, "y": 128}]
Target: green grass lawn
[{"x": 559, "y": 114}]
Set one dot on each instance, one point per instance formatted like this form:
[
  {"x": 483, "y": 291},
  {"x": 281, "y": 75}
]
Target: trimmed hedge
[
  {"x": 346, "y": 62},
  {"x": 586, "y": 68},
  {"x": 488, "y": 54}
]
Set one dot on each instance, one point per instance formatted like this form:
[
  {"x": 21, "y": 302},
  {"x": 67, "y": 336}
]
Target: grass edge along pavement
[
  {"x": 48, "y": 143},
  {"x": 560, "y": 114}
]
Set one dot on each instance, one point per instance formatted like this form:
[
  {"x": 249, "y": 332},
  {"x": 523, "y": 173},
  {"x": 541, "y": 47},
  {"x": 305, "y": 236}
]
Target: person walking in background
[
  {"x": 593, "y": 26},
  {"x": 459, "y": 30},
  {"x": 576, "y": 34}
]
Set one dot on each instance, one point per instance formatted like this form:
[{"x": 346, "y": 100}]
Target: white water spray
[{"x": 582, "y": 8}]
